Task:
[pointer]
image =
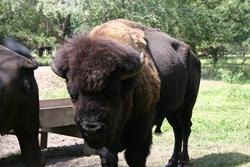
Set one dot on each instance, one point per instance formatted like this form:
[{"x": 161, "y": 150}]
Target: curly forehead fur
[
  {"x": 132, "y": 34},
  {"x": 93, "y": 60}
]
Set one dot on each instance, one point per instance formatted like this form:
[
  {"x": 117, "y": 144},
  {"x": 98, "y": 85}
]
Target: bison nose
[{"x": 91, "y": 127}]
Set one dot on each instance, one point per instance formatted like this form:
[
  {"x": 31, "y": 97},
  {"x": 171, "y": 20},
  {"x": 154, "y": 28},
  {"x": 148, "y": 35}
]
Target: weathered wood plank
[
  {"x": 56, "y": 116},
  {"x": 43, "y": 139},
  {"x": 55, "y": 103},
  {"x": 71, "y": 130},
  {"x": 56, "y": 113}
]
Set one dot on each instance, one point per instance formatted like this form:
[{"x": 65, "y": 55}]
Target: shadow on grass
[
  {"x": 221, "y": 160},
  {"x": 52, "y": 155}
]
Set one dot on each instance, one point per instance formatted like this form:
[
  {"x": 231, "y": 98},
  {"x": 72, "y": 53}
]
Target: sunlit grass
[{"x": 221, "y": 125}]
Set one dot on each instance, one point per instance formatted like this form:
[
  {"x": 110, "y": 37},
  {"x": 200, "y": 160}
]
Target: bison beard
[{"x": 117, "y": 92}]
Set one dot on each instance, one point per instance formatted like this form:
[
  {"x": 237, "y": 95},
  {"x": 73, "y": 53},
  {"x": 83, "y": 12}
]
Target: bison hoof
[
  {"x": 172, "y": 164},
  {"x": 108, "y": 159},
  {"x": 87, "y": 151}
]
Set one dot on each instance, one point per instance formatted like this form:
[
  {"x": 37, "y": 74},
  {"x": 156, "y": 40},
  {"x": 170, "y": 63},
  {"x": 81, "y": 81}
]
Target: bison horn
[
  {"x": 131, "y": 71},
  {"x": 141, "y": 58},
  {"x": 14, "y": 60},
  {"x": 58, "y": 66},
  {"x": 53, "y": 67}
]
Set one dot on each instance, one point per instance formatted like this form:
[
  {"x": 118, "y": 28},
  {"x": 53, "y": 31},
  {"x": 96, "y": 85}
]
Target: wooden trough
[{"x": 56, "y": 116}]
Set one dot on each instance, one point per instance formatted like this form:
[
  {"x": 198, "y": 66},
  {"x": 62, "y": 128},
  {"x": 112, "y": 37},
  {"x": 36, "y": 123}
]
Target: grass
[
  {"x": 221, "y": 126},
  {"x": 224, "y": 115},
  {"x": 221, "y": 118}
]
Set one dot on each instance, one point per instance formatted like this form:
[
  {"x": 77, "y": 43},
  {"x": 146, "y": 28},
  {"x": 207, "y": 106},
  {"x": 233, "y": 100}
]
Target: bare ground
[{"x": 64, "y": 151}]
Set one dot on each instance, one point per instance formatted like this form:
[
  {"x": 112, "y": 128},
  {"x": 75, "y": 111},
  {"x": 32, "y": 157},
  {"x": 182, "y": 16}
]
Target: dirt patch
[{"x": 64, "y": 151}]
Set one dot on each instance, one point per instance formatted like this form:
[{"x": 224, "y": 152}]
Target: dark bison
[
  {"x": 19, "y": 103},
  {"x": 122, "y": 78}
]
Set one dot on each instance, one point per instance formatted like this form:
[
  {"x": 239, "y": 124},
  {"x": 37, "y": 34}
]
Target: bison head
[
  {"x": 13, "y": 84},
  {"x": 100, "y": 74}
]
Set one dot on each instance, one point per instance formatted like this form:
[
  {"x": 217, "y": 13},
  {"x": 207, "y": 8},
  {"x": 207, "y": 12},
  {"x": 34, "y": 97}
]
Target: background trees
[{"x": 213, "y": 28}]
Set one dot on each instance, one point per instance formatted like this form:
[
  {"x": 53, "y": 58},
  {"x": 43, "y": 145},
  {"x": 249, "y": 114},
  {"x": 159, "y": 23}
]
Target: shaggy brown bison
[
  {"x": 19, "y": 104},
  {"x": 120, "y": 76}
]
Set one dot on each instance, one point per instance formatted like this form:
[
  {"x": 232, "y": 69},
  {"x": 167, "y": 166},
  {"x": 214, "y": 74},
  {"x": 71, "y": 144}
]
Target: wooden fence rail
[{"x": 56, "y": 116}]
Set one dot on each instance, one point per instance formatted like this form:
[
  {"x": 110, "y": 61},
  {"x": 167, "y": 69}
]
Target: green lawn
[{"x": 221, "y": 126}]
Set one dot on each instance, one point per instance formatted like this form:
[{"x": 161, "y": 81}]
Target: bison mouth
[
  {"x": 94, "y": 141},
  {"x": 95, "y": 134}
]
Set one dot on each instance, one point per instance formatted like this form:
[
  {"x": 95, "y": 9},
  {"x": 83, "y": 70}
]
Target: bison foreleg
[
  {"x": 136, "y": 153},
  {"x": 108, "y": 159},
  {"x": 29, "y": 145}
]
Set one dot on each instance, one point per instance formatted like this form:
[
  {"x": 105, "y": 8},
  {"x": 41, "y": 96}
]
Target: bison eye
[
  {"x": 73, "y": 92},
  {"x": 74, "y": 97}
]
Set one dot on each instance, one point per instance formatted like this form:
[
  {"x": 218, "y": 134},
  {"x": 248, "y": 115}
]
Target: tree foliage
[{"x": 203, "y": 24}]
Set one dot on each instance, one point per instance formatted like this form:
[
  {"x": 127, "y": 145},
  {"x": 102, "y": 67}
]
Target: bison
[
  {"x": 19, "y": 102},
  {"x": 123, "y": 78}
]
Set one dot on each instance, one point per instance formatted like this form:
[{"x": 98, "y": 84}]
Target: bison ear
[
  {"x": 131, "y": 65},
  {"x": 59, "y": 64},
  {"x": 13, "y": 60},
  {"x": 28, "y": 63}
]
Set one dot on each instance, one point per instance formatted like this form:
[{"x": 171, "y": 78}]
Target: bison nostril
[{"x": 91, "y": 126}]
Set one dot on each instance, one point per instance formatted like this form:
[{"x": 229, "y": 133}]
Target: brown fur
[{"x": 147, "y": 91}]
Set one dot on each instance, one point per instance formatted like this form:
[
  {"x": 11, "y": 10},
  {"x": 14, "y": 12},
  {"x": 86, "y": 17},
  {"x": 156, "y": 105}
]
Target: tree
[{"x": 205, "y": 25}]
